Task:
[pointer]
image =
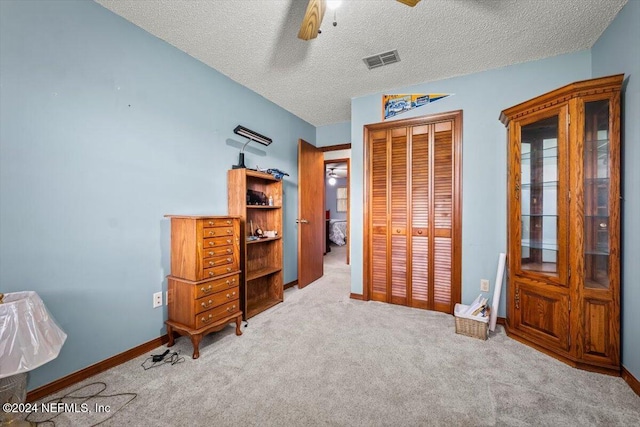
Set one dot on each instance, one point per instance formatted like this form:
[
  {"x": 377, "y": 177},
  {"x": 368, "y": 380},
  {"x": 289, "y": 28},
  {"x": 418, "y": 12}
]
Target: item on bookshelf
[
  {"x": 270, "y": 200},
  {"x": 270, "y": 233},
  {"x": 277, "y": 173},
  {"x": 256, "y": 198},
  {"x": 259, "y": 232}
]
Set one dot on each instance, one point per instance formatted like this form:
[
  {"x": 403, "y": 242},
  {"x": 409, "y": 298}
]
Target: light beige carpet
[{"x": 321, "y": 358}]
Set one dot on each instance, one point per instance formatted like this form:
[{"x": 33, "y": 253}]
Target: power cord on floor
[
  {"x": 156, "y": 360},
  {"x": 80, "y": 402}
]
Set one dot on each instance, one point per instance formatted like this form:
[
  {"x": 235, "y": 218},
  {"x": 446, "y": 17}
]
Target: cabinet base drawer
[
  {"x": 214, "y": 300},
  {"x": 208, "y": 317}
]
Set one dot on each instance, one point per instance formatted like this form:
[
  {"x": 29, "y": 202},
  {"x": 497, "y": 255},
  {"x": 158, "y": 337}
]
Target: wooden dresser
[{"x": 204, "y": 292}]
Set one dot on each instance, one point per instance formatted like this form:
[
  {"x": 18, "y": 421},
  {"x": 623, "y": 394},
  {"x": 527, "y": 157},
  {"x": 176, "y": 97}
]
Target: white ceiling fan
[{"x": 310, "y": 26}]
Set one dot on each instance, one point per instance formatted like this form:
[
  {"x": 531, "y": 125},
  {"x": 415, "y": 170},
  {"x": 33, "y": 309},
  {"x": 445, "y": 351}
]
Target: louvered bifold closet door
[
  {"x": 399, "y": 216},
  {"x": 442, "y": 208},
  {"x": 379, "y": 215},
  {"x": 420, "y": 191},
  {"x": 412, "y": 216}
]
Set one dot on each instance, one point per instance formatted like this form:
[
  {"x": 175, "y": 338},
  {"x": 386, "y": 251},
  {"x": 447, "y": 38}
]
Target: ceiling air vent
[{"x": 381, "y": 59}]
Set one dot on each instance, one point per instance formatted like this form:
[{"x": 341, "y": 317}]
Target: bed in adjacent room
[{"x": 338, "y": 231}]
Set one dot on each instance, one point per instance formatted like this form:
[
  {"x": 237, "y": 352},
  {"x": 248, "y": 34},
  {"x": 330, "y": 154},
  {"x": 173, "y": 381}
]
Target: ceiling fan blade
[
  {"x": 312, "y": 19},
  {"x": 409, "y": 2}
]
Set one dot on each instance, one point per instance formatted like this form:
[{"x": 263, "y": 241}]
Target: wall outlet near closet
[{"x": 484, "y": 285}]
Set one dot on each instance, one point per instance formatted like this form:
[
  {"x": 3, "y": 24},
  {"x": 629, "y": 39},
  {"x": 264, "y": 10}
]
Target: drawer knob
[
  {"x": 228, "y": 221},
  {"x": 228, "y": 240},
  {"x": 212, "y": 263},
  {"x": 211, "y": 273},
  {"x": 419, "y": 231},
  {"x": 228, "y": 268},
  {"x": 229, "y": 231},
  {"x": 206, "y": 290},
  {"x": 212, "y": 233},
  {"x": 230, "y": 309},
  {"x": 212, "y": 223},
  {"x": 207, "y": 304},
  {"x": 206, "y": 319},
  {"x": 212, "y": 243},
  {"x": 229, "y": 250},
  {"x": 227, "y": 282},
  {"x": 228, "y": 296},
  {"x": 229, "y": 259}
]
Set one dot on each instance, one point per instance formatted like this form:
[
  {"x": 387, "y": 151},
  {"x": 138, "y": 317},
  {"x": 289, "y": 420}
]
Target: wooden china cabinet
[{"x": 564, "y": 223}]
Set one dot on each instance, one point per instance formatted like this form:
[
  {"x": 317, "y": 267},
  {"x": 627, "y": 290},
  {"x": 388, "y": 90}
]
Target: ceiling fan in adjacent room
[
  {"x": 332, "y": 175},
  {"x": 310, "y": 26}
]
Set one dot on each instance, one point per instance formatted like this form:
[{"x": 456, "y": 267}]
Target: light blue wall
[
  {"x": 618, "y": 51},
  {"x": 482, "y": 97},
  {"x": 331, "y": 191},
  {"x": 104, "y": 129},
  {"x": 333, "y": 134}
]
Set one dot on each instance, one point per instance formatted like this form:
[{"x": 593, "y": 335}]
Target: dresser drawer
[
  {"x": 217, "y": 261},
  {"x": 214, "y": 242},
  {"x": 216, "y": 286},
  {"x": 217, "y": 222},
  {"x": 217, "y": 271},
  {"x": 217, "y": 232},
  {"x": 217, "y": 251},
  {"x": 220, "y": 312},
  {"x": 214, "y": 300}
]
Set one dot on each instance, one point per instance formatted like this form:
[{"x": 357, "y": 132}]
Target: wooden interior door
[
  {"x": 310, "y": 213},
  {"x": 413, "y": 224}
]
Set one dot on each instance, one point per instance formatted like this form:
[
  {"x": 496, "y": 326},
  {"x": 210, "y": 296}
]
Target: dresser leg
[
  {"x": 170, "y": 333},
  {"x": 238, "y": 321},
  {"x": 195, "y": 340}
]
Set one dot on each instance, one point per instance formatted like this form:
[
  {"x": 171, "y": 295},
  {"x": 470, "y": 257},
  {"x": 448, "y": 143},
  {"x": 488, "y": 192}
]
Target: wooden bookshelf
[{"x": 261, "y": 260}]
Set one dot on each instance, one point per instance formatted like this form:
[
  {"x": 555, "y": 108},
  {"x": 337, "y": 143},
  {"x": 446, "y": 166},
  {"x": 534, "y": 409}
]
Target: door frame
[
  {"x": 346, "y": 160},
  {"x": 456, "y": 232}
]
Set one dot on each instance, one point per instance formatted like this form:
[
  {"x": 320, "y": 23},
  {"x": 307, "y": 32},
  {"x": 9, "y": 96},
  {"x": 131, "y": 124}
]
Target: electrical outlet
[
  {"x": 484, "y": 285},
  {"x": 157, "y": 299}
]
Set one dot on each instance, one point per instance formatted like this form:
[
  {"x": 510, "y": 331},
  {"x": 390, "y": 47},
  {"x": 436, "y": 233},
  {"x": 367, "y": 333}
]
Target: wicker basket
[{"x": 473, "y": 328}]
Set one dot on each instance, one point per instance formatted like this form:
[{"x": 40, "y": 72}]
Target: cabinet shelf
[
  {"x": 263, "y": 207},
  {"x": 261, "y": 272},
  {"x": 601, "y": 180},
  {"x": 601, "y": 252},
  {"x": 544, "y": 184},
  {"x": 265, "y": 240},
  {"x": 262, "y": 305},
  {"x": 540, "y": 245}
]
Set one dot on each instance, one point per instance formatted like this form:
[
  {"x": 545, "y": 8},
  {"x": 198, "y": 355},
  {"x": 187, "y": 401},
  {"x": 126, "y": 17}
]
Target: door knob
[{"x": 302, "y": 221}]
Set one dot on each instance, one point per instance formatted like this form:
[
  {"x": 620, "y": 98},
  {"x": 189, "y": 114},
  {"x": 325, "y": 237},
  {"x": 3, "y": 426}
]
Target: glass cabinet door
[
  {"x": 539, "y": 189},
  {"x": 596, "y": 194}
]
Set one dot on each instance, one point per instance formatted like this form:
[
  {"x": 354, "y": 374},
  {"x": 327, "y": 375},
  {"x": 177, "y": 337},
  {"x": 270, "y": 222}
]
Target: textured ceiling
[{"x": 254, "y": 42}]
